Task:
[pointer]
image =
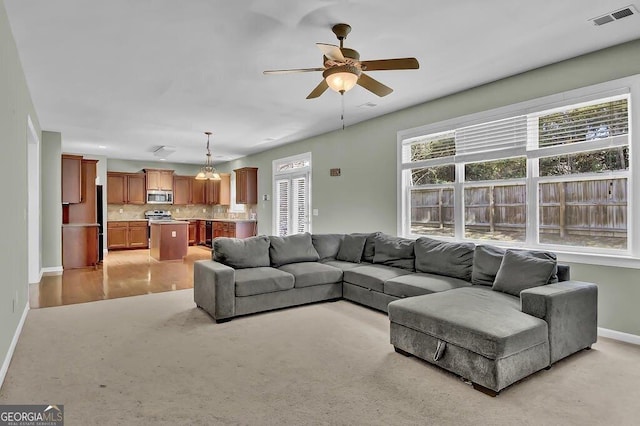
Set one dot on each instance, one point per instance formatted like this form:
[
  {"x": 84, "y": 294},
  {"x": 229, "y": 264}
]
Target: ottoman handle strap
[{"x": 439, "y": 350}]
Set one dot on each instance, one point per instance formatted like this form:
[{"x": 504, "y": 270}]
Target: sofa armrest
[
  {"x": 570, "y": 309},
  {"x": 214, "y": 288}
]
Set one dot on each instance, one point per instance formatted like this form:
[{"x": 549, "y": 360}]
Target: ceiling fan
[{"x": 343, "y": 68}]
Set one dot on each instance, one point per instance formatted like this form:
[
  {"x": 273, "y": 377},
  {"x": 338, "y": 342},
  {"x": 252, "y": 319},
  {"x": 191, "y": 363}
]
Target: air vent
[
  {"x": 164, "y": 151},
  {"x": 614, "y": 16}
]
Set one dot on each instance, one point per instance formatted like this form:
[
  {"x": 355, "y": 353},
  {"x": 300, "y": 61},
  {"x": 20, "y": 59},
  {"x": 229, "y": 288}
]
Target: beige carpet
[{"x": 156, "y": 359}]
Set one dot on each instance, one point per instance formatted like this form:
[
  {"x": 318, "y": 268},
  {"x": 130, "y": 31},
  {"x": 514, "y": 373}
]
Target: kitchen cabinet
[
  {"x": 202, "y": 232},
  {"x": 242, "y": 229},
  {"x": 126, "y": 188},
  {"x": 137, "y": 234},
  {"x": 79, "y": 245},
  {"x": 247, "y": 185},
  {"x": 84, "y": 211},
  {"x": 198, "y": 187},
  {"x": 160, "y": 180},
  {"x": 193, "y": 232},
  {"x": 127, "y": 235},
  {"x": 71, "y": 179},
  {"x": 218, "y": 192},
  {"x": 182, "y": 190}
]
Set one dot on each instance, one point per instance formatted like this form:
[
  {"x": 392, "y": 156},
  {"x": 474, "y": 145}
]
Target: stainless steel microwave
[{"x": 159, "y": 197}]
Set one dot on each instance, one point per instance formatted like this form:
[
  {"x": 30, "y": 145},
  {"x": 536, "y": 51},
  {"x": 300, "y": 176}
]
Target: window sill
[{"x": 599, "y": 259}]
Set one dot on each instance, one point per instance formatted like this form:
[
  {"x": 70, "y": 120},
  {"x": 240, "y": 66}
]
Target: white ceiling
[{"x": 134, "y": 75}]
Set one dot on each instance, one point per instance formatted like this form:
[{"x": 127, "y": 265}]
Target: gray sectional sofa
[{"x": 490, "y": 315}]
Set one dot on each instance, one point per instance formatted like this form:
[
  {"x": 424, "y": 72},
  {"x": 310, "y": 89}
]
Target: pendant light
[{"x": 208, "y": 172}]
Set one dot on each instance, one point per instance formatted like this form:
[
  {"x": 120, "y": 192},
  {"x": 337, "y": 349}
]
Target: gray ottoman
[{"x": 474, "y": 332}]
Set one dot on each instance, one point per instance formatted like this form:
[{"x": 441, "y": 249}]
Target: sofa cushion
[
  {"x": 308, "y": 274},
  {"x": 292, "y": 249},
  {"x": 394, "y": 251},
  {"x": 252, "y": 281},
  {"x": 341, "y": 264},
  {"x": 486, "y": 322},
  {"x": 370, "y": 247},
  {"x": 327, "y": 245},
  {"x": 487, "y": 260},
  {"x": 444, "y": 258},
  {"x": 520, "y": 271},
  {"x": 421, "y": 283},
  {"x": 351, "y": 248},
  {"x": 372, "y": 276},
  {"x": 252, "y": 252}
]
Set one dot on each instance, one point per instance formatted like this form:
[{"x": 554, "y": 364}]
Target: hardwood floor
[{"x": 122, "y": 273}]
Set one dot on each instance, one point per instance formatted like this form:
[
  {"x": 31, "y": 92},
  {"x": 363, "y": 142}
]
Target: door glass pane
[
  {"x": 300, "y": 205},
  {"x": 282, "y": 212}
]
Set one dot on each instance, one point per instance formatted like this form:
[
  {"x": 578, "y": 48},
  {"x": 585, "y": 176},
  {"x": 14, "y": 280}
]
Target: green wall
[
  {"x": 364, "y": 197},
  {"x": 51, "y": 184},
  {"x": 15, "y": 107}
]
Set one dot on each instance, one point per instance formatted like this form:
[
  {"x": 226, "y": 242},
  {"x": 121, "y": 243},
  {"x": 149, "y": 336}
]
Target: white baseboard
[
  {"x": 51, "y": 270},
  {"x": 618, "y": 335},
  {"x": 12, "y": 347}
]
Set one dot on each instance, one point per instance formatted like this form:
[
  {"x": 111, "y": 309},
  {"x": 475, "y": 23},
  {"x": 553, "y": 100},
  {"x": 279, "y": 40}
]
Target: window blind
[
  {"x": 500, "y": 135},
  {"x": 585, "y": 123},
  {"x": 282, "y": 212}
]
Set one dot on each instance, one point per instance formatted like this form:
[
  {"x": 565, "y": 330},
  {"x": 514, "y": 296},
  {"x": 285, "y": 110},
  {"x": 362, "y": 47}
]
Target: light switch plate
[
  {"x": 173, "y": 234},
  {"x": 315, "y": 212}
]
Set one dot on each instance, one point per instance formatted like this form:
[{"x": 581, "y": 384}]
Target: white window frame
[
  {"x": 292, "y": 173},
  {"x": 628, "y": 85}
]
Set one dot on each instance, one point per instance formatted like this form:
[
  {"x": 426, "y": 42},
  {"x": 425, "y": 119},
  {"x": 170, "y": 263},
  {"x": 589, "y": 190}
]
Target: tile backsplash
[{"x": 197, "y": 211}]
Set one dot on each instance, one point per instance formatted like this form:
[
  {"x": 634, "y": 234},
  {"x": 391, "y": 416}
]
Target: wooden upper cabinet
[
  {"x": 116, "y": 188},
  {"x": 182, "y": 190},
  {"x": 161, "y": 180},
  {"x": 212, "y": 192},
  {"x": 126, "y": 188},
  {"x": 136, "y": 189},
  {"x": 198, "y": 195},
  {"x": 71, "y": 179},
  {"x": 85, "y": 211},
  {"x": 247, "y": 185}
]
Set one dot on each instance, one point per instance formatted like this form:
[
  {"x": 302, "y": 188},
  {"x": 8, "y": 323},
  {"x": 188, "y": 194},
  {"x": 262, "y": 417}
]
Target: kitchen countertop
[
  {"x": 168, "y": 222},
  {"x": 71, "y": 225},
  {"x": 218, "y": 220}
]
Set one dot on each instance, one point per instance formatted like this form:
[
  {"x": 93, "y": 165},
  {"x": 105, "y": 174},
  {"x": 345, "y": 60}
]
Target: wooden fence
[{"x": 594, "y": 208}]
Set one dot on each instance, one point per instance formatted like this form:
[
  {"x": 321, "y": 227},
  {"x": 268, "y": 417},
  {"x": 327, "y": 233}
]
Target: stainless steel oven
[{"x": 159, "y": 197}]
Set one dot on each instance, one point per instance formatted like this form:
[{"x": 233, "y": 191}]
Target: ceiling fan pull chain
[{"x": 342, "y": 115}]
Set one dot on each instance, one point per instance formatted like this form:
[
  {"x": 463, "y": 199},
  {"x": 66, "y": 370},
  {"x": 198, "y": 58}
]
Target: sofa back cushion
[
  {"x": 444, "y": 258},
  {"x": 327, "y": 245},
  {"x": 487, "y": 260},
  {"x": 351, "y": 248},
  {"x": 520, "y": 270},
  {"x": 252, "y": 252},
  {"x": 394, "y": 251},
  {"x": 292, "y": 249},
  {"x": 369, "y": 245}
]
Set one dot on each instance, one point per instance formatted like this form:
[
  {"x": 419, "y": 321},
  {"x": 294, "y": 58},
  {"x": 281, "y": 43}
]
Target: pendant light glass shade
[{"x": 208, "y": 172}]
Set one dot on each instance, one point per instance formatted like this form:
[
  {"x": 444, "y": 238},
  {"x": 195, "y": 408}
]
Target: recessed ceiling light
[
  {"x": 163, "y": 159},
  {"x": 102, "y": 147}
]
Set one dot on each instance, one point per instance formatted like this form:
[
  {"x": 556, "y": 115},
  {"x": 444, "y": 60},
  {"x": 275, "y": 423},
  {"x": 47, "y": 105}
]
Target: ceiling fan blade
[
  {"x": 292, "y": 71},
  {"x": 331, "y": 51},
  {"x": 374, "y": 85},
  {"x": 391, "y": 64},
  {"x": 319, "y": 90}
]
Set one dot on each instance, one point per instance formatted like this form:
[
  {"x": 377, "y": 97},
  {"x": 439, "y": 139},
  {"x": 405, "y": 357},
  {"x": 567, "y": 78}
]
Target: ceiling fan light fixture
[
  {"x": 208, "y": 172},
  {"x": 342, "y": 78}
]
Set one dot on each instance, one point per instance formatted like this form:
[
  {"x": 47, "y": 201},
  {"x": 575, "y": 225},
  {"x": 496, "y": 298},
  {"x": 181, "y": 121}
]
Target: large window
[{"x": 540, "y": 177}]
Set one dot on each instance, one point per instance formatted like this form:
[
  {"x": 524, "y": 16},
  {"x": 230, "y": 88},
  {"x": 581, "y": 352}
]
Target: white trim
[
  {"x": 624, "y": 87},
  {"x": 619, "y": 335},
  {"x": 52, "y": 270},
  {"x": 12, "y": 347},
  {"x": 289, "y": 174}
]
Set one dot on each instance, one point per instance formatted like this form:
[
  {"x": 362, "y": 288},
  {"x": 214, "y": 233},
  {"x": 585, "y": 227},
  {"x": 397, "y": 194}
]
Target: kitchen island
[{"x": 169, "y": 239}]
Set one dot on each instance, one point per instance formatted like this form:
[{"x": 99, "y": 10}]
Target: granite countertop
[
  {"x": 71, "y": 225},
  {"x": 126, "y": 220},
  {"x": 168, "y": 222},
  {"x": 217, "y": 220}
]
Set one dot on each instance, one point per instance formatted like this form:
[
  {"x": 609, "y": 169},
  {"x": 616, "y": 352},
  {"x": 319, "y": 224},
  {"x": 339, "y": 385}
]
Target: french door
[{"x": 292, "y": 195}]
